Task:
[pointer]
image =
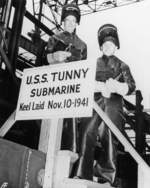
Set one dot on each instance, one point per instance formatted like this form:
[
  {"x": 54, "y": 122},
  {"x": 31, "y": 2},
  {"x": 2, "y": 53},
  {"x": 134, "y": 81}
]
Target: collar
[
  {"x": 108, "y": 60},
  {"x": 69, "y": 34}
]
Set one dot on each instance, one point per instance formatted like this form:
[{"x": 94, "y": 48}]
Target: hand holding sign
[
  {"x": 58, "y": 56},
  {"x": 61, "y": 55}
]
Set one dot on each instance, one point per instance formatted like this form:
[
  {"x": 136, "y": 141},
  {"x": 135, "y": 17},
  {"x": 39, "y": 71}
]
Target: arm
[
  {"x": 57, "y": 57},
  {"x": 77, "y": 54},
  {"x": 123, "y": 88},
  {"x": 56, "y": 51},
  {"x": 84, "y": 52},
  {"x": 128, "y": 78}
]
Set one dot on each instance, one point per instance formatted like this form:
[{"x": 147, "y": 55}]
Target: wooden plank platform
[{"x": 80, "y": 183}]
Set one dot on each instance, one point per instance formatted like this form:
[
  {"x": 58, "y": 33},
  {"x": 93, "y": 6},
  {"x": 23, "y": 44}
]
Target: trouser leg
[
  {"x": 67, "y": 135},
  {"x": 88, "y": 130},
  {"x": 107, "y": 163},
  {"x": 70, "y": 135}
]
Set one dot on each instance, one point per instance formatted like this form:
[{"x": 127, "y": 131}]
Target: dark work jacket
[
  {"x": 65, "y": 41},
  {"x": 113, "y": 67}
]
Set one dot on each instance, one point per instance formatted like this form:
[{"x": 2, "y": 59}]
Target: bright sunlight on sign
[{"x": 57, "y": 91}]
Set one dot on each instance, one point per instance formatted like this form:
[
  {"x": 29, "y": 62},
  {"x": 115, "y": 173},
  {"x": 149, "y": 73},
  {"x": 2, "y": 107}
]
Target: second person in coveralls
[{"x": 114, "y": 80}]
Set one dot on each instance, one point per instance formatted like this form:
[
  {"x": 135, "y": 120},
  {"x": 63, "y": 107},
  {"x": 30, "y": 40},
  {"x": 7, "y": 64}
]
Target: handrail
[
  {"x": 121, "y": 138},
  {"x": 8, "y": 124}
]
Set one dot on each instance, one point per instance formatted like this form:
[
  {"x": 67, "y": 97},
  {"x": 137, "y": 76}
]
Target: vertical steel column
[
  {"x": 6, "y": 13},
  {"x": 13, "y": 47},
  {"x": 16, "y": 31},
  {"x": 140, "y": 135},
  {"x": 4, "y": 22}
]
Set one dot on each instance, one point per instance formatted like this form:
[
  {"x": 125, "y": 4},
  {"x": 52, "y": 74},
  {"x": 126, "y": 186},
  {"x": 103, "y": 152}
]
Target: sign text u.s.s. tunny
[{"x": 57, "y": 91}]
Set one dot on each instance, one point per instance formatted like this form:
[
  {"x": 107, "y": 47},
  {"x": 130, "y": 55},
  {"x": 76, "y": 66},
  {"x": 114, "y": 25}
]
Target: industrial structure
[{"x": 18, "y": 52}]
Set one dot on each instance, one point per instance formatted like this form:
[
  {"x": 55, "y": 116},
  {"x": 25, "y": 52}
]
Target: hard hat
[
  {"x": 108, "y": 32},
  {"x": 71, "y": 9}
]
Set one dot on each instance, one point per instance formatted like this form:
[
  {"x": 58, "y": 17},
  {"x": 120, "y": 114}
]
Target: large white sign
[{"x": 57, "y": 91}]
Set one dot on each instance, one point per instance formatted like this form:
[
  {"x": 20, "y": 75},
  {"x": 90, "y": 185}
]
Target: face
[
  {"x": 70, "y": 23},
  {"x": 108, "y": 48}
]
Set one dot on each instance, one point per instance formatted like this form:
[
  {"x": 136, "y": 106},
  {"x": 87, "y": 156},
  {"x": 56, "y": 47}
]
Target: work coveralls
[
  {"x": 93, "y": 127},
  {"x": 65, "y": 41}
]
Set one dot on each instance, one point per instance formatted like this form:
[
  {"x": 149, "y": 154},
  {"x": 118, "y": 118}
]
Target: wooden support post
[
  {"x": 43, "y": 140},
  {"x": 143, "y": 178},
  {"x": 63, "y": 167},
  {"x": 51, "y": 132},
  {"x": 80, "y": 183}
]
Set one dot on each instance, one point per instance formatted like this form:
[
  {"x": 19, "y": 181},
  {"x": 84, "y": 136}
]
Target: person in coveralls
[
  {"x": 66, "y": 46},
  {"x": 113, "y": 80}
]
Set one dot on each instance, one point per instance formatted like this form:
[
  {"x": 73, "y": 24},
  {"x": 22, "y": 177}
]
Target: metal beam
[
  {"x": 27, "y": 45},
  {"x": 37, "y": 22}
]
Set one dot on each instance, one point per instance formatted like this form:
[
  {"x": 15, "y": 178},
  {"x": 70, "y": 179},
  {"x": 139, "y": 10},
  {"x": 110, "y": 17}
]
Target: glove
[
  {"x": 117, "y": 87},
  {"x": 61, "y": 55},
  {"x": 58, "y": 56},
  {"x": 101, "y": 87}
]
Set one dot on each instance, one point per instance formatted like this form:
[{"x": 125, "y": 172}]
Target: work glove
[
  {"x": 101, "y": 87},
  {"x": 58, "y": 56},
  {"x": 115, "y": 86}
]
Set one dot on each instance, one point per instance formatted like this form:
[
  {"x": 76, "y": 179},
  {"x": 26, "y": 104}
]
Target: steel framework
[{"x": 86, "y": 7}]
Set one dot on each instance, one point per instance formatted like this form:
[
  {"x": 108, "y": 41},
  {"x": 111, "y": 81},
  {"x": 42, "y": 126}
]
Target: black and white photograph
[{"x": 74, "y": 94}]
